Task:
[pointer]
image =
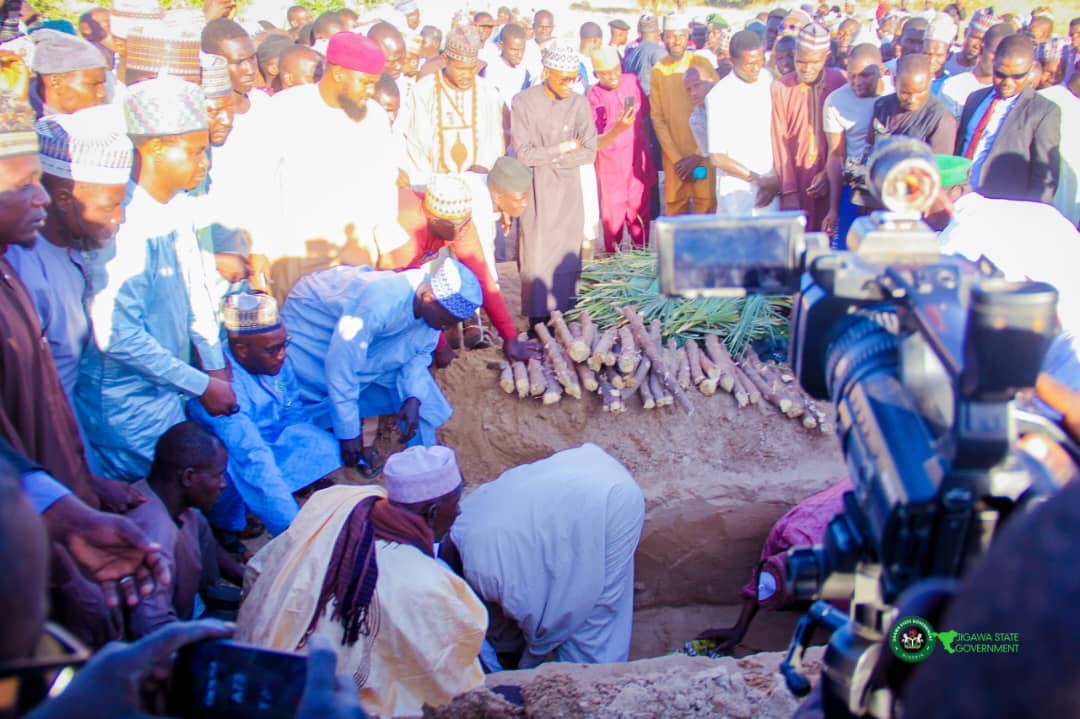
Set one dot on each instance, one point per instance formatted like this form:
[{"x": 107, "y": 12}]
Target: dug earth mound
[{"x": 714, "y": 481}]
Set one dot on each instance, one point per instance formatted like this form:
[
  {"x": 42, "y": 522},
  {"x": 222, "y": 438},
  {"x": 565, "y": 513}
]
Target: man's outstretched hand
[
  {"x": 110, "y": 548},
  {"x": 521, "y": 350}
]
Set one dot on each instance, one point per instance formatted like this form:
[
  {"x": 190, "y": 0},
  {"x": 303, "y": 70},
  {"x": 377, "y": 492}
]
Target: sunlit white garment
[
  {"x": 513, "y": 535},
  {"x": 430, "y": 623}
]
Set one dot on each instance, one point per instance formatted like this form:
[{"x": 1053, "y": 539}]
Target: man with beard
[
  {"x": 848, "y": 113},
  {"x": 149, "y": 300},
  {"x": 456, "y": 122},
  {"x": 35, "y": 415},
  {"x": 739, "y": 111},
  {"x": 799, "y": 146},
  {"x": 624, "y": 163},
  {"x": 912, "y": 111},
  {"x": 86, "y": 161},
  {"x": 553, "y": 133},
  {"x": 324, "y": 215},
  {"x": 964, "y": 59},
  {"x": 274, "y": 449}
]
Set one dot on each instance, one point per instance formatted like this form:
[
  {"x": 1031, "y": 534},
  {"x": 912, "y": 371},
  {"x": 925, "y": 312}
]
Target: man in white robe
[{"x": 512, "y": 544}]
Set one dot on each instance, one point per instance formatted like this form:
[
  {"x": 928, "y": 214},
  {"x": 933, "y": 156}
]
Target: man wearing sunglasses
[
  {"x": 1010, "y": 132},
  {"x": 274, "y": 449}
]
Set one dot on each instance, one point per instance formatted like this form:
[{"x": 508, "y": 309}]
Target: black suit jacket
[{"x": 1024, "y": 162}]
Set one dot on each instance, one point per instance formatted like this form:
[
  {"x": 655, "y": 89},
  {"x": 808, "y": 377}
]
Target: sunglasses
[{"x": 1006, "y": 76}]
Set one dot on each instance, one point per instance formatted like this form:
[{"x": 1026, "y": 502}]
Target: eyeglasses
[{"x": 1006, "y": 76}]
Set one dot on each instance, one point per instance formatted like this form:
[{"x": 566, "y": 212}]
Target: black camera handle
[{"x": 821, "y": 614}]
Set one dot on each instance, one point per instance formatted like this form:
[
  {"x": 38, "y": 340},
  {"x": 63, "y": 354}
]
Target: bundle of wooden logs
[{"x": 632, "y": 360}]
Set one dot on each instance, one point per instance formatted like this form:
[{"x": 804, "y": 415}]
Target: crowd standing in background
[{"x": 227, "y": 250}]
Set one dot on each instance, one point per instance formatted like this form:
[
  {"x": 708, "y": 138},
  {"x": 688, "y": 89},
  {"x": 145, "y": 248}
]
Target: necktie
[{"x": 976, "y": 136}]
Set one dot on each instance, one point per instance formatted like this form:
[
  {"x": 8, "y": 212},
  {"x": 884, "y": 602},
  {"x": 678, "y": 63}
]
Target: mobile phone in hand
[
  {"x": 223, "y": 679},
  {"x": 628, "y": 103}
]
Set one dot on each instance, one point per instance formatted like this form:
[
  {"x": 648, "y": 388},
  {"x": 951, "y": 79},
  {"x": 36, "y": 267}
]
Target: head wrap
[
  {"x": 510, "y": 174},
  {"x": 561, "y": 57},
  {"x": 355, "y": 52},
  {"x": 250, "y": 314},
  {"x": 406, "y": 7},
  {"x": 941, "y": 29},
  {"x": 421, "y": 474},
  {"x": 606, "y": 58},
  {"x": 87, "y": 146},
  {"x": 17, "y": 136},
  {"x": 618, "y": 24},
  {"x": 456, "y": 288},
  {"x": 447, "y": 197},
  {"x": 590, "y": 31},
  {"x": 126, "y": 15},
  {"x": 215, "y": 75},
  {"x": 165, "y": 106},
  {"x": 981, "y": 21},
  {"x": 157, "y": 49},
  {"x": 676, "y": 21},
  {"x": 648, "y": 23},
  {"x": 812, "y": 38},
  {"x": 56, "y": 52},
  {"x": 463, "y": 44}
]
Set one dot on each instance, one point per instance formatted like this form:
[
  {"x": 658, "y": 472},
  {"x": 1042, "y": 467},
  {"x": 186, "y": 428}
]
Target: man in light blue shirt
[
  {"x": 274, "y": 449},
  {"x": 86, "y": 161},
  {"x": 362, "y": 344},
  {"x": 150, "y": 301}
]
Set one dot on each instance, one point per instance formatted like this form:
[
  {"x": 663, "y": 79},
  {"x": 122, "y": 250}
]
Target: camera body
[{"x": 921, "y": 354}]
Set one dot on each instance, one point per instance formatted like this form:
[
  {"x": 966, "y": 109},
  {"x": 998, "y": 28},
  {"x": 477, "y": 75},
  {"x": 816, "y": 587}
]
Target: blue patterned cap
[
  {"x": 456, "y": 288},
  {"x": 90, "y": 145}
]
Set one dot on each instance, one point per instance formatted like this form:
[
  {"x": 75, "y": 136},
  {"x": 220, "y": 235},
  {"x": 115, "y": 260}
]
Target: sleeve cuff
[
  {"x": 43, "y": 490},
  {"x": 193, "y": 381}
]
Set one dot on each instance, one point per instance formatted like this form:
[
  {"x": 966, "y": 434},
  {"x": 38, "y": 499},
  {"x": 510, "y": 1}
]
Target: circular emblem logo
[{"x": 912, "y": 639}]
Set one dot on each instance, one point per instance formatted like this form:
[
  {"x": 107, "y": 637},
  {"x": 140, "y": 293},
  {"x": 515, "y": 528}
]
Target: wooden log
[
  {"x": 602, "y": 355},
  {"x": 575, "y": 348},
  {"x": 559, "y": 366},
  {"x": 693, "y": 355},
  {"x": 506, "y": 378},
  {"x": 647, "y": 399},
  {"x": 616, "y": 380},
  {"x": 660, "y": 393},
  {"x": 535, "y": 370},
  {"x": 656, "y": 333},
  {"x": 589, "y": 334},
  {"x": 628, "y": 357},
  {"x": 553, "y": 391},
  {"x": 785, "y": 397},
  {"x": 587, "y": 377},
  {"x": 768, "y": 392},
  {"x": 612, "y": 397},
  {"x": 683, "y": 373},
  {"x": 521, "y": 379},
  {"x": 649, "y": 348},
  {"x": 639, "y": 380}
]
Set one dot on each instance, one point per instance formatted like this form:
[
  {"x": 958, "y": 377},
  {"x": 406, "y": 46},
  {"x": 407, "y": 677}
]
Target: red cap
[{"x": 355, "y": 52}]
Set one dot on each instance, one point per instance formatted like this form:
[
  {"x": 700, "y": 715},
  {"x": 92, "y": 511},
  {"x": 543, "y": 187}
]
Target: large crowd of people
[{"x": 226, "y": 251}]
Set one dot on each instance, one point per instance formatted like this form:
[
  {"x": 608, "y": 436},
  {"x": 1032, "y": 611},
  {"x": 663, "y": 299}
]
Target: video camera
[{"x": 922, "y": 355}]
